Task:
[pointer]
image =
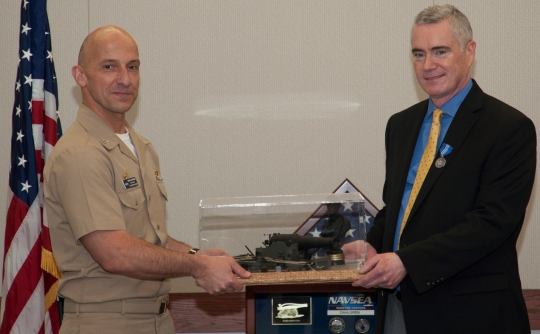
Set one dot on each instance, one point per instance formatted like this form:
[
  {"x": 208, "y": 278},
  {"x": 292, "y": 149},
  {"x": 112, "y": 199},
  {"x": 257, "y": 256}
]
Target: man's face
[
  {"x": 111, "y": 74},
  {"x": 442, "y": 69}
]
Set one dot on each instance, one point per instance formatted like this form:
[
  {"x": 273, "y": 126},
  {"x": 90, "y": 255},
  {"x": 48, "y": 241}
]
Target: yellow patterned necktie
[{"x": 425, "y": 164}]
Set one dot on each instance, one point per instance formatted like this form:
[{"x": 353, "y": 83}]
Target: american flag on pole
[{"x": 30, "y": 276}]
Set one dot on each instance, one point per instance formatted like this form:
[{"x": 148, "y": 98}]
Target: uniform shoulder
[{"x": 76, "y": 140}]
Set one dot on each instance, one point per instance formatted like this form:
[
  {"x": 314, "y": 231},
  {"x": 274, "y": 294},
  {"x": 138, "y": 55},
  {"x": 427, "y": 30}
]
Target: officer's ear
[{"x": 78, "y": 74}]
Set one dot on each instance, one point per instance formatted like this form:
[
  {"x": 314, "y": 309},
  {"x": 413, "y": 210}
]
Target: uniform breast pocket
[
  {"x": 132, "y": 199},
  {"x": 163, "y": 193},
  {"x": 132, "y": 202}
]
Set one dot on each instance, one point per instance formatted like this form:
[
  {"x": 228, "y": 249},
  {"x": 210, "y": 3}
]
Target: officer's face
[{"x": 110, "y": 79}]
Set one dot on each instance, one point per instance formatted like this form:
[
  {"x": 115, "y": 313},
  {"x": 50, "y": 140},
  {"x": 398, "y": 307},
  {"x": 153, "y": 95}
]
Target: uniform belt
[{"x": 117, "y": 306}]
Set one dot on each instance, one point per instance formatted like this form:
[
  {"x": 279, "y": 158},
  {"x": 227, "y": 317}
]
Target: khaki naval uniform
[{"x": 93, "y": 182}]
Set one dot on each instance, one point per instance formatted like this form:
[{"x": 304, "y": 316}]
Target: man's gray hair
[{"x": 461, "y": 27}]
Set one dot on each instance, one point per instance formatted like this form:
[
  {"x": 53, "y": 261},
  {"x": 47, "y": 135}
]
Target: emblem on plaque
[
  {"x": 337, "y": 325},
  {"x": 362, "y": 326},
  {"x": 289, "y": 310}
]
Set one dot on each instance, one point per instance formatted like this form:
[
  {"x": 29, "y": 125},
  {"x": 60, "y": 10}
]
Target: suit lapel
[
  {"x": 402, "y": 144},
  {"x": 407, "y": 143},
  {"x": 462, "y": 124}
]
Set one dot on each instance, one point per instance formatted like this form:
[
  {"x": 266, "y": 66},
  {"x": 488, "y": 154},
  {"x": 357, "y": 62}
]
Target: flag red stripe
[
  {"x": 23, "y": 286},
  {"x": 37, "y": 112},
  {"x": 40, "y": 163},
  {"x": 50, "y": 131},
  {"x": 46, "y": 238},
  {"x": 16, "y": 213}
]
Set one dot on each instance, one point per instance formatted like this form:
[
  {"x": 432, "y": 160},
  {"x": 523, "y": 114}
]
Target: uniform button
[
  {"x": 149, "y": 198},
  {"x": 428, "y": 284},
  {"x": 158, "y": 227}
]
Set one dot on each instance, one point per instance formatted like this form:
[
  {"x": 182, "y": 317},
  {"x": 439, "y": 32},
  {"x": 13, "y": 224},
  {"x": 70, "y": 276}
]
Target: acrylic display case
[{"x": 302, "y": 234}]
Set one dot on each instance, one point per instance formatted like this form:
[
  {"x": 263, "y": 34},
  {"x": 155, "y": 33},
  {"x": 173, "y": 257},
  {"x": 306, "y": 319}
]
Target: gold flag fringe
[
  {"x": 49, "y": 264},
  {"x": 50, "y": 297}
]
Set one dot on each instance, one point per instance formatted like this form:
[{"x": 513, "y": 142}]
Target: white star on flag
[
  {"x": 27, "y": 55},
  {"x": 25, "y": 186},
  {"x": 28, "y": 79},
  {"x": 25, "y": 29},
  {"x": 22, "y": 162},
  {"x": 20, "y": 136}
]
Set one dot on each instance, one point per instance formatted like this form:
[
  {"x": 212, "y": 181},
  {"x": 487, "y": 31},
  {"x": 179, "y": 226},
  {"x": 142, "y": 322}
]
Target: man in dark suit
[{"x": 453, "y": 266}]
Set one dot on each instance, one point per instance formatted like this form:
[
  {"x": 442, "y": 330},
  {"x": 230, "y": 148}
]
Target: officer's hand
[{"x": 215, "y": 274}]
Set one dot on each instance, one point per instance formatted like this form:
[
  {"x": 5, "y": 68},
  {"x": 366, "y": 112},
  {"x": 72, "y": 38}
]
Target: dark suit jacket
[{"x": 459, "y": 245}]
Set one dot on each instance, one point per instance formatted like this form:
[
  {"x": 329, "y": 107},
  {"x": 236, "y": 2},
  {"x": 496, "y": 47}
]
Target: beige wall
[{"x": 245, "y": 98}]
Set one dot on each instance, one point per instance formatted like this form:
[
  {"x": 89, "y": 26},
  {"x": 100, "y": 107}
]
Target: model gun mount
[{"x": 292, "y": 252}]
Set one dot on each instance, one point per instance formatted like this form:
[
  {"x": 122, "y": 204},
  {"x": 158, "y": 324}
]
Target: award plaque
[
  {"x": 261, "y": 233},
  {"x": 292, "y": 245}
]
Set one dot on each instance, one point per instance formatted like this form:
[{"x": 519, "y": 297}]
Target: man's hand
[
  {"x": 215, "y": 274},
  {"x": 381, "y": 271}
]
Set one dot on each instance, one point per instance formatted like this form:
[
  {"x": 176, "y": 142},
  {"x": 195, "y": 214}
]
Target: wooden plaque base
[{"x": 301, "y": 277}]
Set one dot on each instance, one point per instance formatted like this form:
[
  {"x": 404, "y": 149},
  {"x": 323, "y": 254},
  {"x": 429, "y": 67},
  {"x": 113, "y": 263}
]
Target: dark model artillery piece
[{"x": 292, "y": 252}]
